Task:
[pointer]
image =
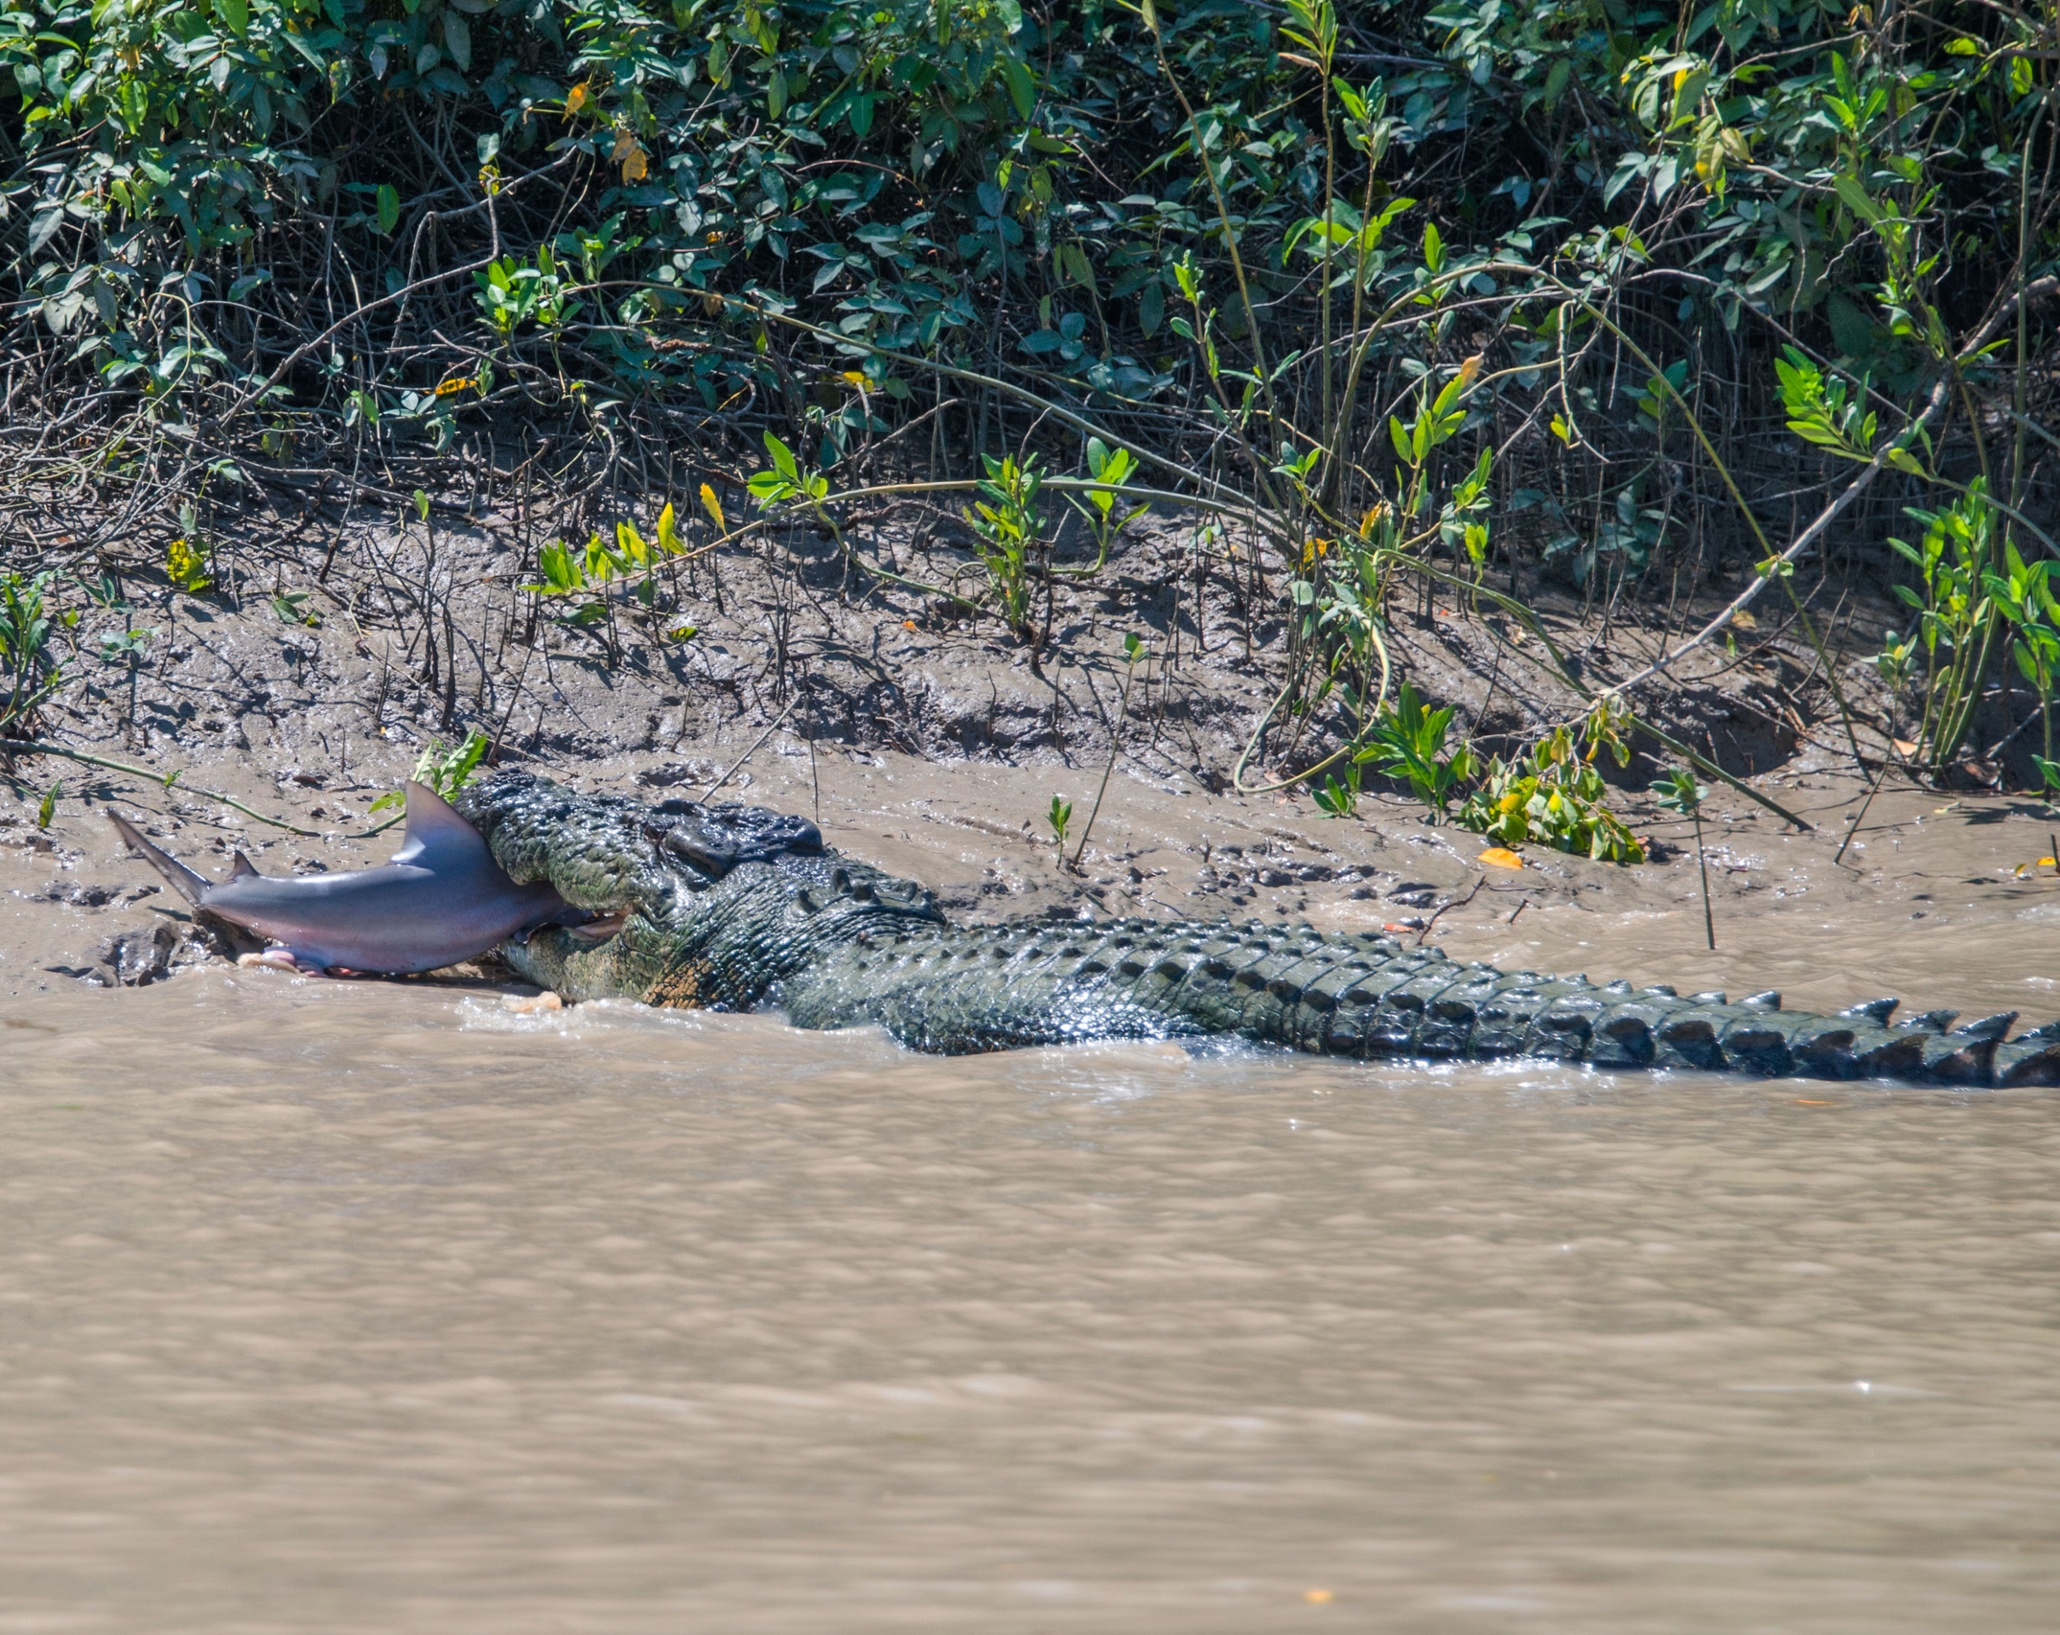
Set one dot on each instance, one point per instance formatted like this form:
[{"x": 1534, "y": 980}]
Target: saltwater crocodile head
[{"x": 702, "y": 905}]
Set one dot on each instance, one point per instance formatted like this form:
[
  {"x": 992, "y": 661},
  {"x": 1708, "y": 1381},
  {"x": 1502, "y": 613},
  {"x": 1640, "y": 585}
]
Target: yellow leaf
[
  {"x": 855, "y": 377},
  {"x": 1903, "y": 746},
  {"x": 1501, "y": 857},
  {"x": 712, "y": 506},
  {"x": 635, "y": 164},
  {"x": 1744, "y": 620},
  {"x": 1470, "y": 368},
  {"x": 576, "y": 99}
]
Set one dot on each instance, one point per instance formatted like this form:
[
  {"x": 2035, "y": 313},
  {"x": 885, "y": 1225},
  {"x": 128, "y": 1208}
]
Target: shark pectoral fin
[
  {"x": 193, "y": 887},
  {"x": 438, "y": 839}
]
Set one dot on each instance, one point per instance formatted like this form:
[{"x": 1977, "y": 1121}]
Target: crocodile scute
[{"x": 730, "y": 907}]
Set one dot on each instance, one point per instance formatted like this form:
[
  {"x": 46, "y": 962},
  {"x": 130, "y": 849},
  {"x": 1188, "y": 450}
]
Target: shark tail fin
[{"x": 183, "y": 880}]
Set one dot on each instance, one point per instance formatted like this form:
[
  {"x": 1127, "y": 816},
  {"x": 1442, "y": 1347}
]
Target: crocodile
[{"x": 734, "y": 907}]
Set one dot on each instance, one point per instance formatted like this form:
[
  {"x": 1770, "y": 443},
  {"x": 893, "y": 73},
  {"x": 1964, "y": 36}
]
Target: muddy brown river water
[
  {"x": 334, "y": 1306},
  {"x": 337, "y": 1306}
]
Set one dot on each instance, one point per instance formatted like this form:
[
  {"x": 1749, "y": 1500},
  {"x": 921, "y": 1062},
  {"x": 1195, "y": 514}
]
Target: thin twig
[
  {"x": 753, "y": 750},
  {"x": 168, "y": 780}
]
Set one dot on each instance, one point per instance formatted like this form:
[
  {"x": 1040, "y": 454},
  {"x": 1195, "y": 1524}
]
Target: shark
[{"x": 442, "y": 899}]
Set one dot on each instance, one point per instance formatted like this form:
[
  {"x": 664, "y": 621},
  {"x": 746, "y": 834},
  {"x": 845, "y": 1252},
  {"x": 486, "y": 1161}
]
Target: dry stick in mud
[
  {"x": 1132, "y": 649},
  {"x": 22, "y": 746},
  {"x": 709, "y": 792},
  {"x": 1860, "y": 816}
]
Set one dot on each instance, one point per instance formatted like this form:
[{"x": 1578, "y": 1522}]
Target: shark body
[{"x": 442, "y": 899}]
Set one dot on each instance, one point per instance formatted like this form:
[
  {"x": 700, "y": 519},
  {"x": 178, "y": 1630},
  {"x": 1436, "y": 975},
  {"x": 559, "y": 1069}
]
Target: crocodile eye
[{"x": 694, "y": 850}]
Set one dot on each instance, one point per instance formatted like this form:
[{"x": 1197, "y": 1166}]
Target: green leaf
[
  {"x": 1855, "y": 198},
  {"x": 388, "y": 201},
  {"x": 236, "y": 14},
  {"x": 1151, "y": 308},
  {"x": 562, "y": 574},
  {"x": 1022, "y": 89}
]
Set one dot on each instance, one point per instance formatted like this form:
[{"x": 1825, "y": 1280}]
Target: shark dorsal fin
[
  {"x": 437, "y": 838},
  {"x": 243, "y": 867}
]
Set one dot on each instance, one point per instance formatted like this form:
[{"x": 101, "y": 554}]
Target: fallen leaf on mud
[
  {"x": 1903, "y": 746},
  {"x": 1319, "y": 1598},
  {"x": 1502, "y": 858}
]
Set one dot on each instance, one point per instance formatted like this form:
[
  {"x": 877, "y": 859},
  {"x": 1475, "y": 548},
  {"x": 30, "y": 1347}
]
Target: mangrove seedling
[
  {"x": 1679, "y": 792},
  {"x": 444, "y": 768},
  {"x": 1060, "y": 817}
]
